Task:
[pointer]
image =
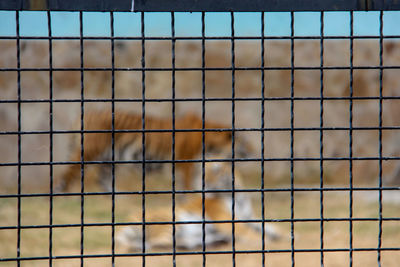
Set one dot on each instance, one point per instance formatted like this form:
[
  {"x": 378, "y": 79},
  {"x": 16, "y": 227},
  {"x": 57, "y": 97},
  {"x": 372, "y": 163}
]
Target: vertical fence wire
[
  {"x": 292, "y": 136},
  {"x": 351, "y": 143},
  {"x": 142, "y": 19},
  {"x": 112, "y": 140},
  {"x": 262, "y": 138},
  {"x": 173, "y": 40},
  {"x": 321, "y": 139},
  {"x": 82, "y": 161},
  {"x": 18, "y": 43},
  {"x": 51, "y": 138},
  {"x": 203, "y": 147},
  {"x": 380, "y": 133},
  {"x": 233, "y": 136}
]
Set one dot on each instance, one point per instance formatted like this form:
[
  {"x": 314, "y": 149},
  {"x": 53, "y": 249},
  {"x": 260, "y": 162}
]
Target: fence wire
[{"x": 263, "y": 190}]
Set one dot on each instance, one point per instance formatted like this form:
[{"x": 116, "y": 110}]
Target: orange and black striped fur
[
  {"x": 158, "y": 145},
  {"x": 217, "y": 206}
]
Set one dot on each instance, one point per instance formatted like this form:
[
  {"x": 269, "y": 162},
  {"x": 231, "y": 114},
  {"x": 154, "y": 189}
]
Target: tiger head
[
  {"x": 219, "y": 144},
  {"x": 218, "y": 176}
]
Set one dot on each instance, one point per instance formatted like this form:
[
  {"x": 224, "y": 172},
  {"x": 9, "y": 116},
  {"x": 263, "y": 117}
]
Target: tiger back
[{"x": 157, "y": 146}]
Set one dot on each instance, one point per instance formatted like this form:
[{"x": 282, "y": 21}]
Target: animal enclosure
[{"x": 199, "y": 134}]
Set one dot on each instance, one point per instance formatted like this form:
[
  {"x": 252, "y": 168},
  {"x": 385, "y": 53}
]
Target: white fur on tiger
[{"x": 217, "y": 207}]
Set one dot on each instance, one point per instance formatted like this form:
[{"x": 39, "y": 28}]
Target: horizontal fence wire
[
  {"x": 201, "y": 222},
  {"x": 195, "y": 6},
  {"x": 388, "y": 188},
  {"x": 266, "y": 192},
  {"x": 185, "y": 38},
  {"x": 182, "y": 253},
  {"x": 209, "y": 69}
]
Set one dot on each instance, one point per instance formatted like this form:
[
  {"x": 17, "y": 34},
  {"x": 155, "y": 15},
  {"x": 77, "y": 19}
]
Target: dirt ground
[{"x": 97, "y": 239}]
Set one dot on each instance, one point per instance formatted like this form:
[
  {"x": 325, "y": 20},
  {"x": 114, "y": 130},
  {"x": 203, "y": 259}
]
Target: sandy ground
[{"x": 97, "y": 239}]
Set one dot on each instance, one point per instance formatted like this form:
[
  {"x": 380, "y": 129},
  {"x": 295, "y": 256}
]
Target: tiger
[
  {"x": 189, "y": 233},
  {"x": 158, "y": 144}
]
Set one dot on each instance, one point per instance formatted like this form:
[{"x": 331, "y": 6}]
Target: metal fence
[{"x": 264, "y": 254}]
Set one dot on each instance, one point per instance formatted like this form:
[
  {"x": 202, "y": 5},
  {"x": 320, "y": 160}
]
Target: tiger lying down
[
  {"x": 128, "y": 146},
  {"x": 217, "y": 206}
]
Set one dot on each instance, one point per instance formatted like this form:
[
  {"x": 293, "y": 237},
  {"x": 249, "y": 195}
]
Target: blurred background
[
  {"x": 218, "y": 84},
  {"x": 128, "y": 84}
]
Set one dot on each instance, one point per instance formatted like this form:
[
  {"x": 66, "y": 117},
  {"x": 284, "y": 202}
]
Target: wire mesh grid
[{"x": 266, "y": 251}]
